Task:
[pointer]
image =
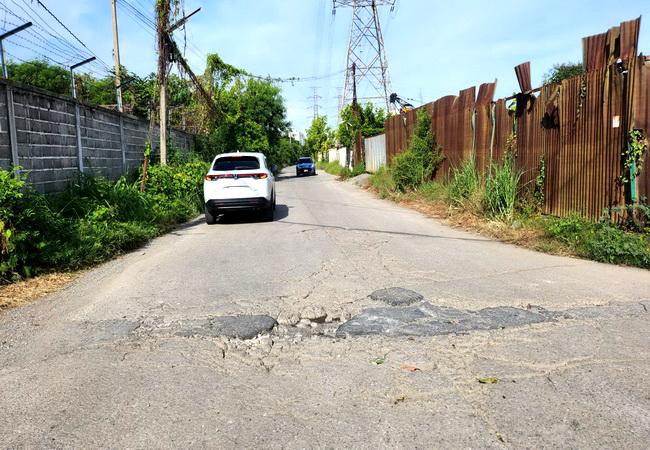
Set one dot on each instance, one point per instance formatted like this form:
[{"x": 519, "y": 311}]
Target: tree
[
  {"x": 319, "y": 137},
  {"x": 562, "y": 71},
  {"x": 370, "y": 122},
  {"x": 41, "y": 74},
  {"x": 253, "y": 119}
]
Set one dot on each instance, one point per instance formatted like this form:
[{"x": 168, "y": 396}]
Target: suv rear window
[
  {"x": 236, "y": 163},
  {"x": 305, "y": 160}
]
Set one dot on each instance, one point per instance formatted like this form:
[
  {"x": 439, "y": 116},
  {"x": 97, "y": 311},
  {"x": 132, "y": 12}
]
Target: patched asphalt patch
[
  {"x": 426, "y": 319},
  {"x": 239, "y": 327},
  {"x": 396, "y": 296}
]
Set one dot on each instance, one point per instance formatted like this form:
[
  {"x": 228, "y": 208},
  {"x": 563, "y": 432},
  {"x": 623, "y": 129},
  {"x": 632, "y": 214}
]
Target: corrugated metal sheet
[
  {"x": 523, "y": 77},
  {"x": 483, "y": 125},
  {"x": 642, "y": 121},
  {"x": 577, "y": 128},
  {"x": 629, "y": 38},
  {"x": 594, "y": 52},
  {"x": 375, "y": 148}
]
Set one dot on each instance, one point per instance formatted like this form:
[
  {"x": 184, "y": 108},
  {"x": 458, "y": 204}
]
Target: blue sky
[{"x": 434, "y": 48}]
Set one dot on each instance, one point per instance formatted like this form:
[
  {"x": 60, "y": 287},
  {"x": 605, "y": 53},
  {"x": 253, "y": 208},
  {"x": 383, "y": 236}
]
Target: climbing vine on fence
[{"x": 634, "y": 154}]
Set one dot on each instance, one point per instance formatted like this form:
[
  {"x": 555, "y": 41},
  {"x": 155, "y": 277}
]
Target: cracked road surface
[{"x": 156, "y": 348}]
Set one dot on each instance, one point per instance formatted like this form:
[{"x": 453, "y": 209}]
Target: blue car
[{"x": 305, "y": 166}]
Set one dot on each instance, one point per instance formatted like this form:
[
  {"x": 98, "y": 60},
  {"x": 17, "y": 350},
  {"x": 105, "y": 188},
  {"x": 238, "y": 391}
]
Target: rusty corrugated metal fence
[{"x": 576, "y": 130}]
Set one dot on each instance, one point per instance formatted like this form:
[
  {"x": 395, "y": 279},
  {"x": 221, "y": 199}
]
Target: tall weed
[
  {"x": 464, "y": 183},
  {"x": 501, "y": 186}
]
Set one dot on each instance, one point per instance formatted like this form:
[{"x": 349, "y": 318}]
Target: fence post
[
  {"x": 80, "y": 159},
  {"x": 122, "y": 144},
  {"x": 11, "y": 124}
]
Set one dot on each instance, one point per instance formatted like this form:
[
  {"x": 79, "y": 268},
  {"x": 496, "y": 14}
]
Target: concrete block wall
[{"x": 47, "y": 140}]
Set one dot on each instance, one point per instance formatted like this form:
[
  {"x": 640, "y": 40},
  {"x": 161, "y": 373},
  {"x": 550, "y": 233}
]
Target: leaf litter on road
[
  {"x": 488, "y": 380},
  {"x": 409, "y": 368}
]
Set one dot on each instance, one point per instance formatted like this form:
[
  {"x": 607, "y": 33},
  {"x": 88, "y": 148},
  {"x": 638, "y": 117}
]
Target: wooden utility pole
[
  {"x": 162, "y": 25},
  {"x": 116, "y": 57}
]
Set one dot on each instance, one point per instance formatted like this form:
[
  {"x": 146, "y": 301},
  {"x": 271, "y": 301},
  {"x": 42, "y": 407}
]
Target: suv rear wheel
[
  {"x": 269, "y": 211},
  {"x": 210, "y": 218}
]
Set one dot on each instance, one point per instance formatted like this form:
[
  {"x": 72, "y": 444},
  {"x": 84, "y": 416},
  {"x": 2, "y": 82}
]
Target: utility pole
[
  {"x": 116, "y": 57},
  {"x": 11, "y": 116},
  {"x": 162, "y": 25}
]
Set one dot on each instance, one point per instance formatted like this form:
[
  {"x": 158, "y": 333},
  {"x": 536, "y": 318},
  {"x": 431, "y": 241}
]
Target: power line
[
  {"x": 39, "y": 54},
  {"x": 37, "y": 19},
  {"x": 59, "y": 44},
  {"x": 38, "y": 35},
  {"x": 69, "y": 31},
  {"x": 139, "y": 15}
]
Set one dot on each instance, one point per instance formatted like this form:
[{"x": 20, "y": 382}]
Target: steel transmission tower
[{"x": 366, "y": 52}]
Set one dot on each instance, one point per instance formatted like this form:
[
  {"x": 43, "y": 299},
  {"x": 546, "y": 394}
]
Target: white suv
[{"x": 239, "y": 181}]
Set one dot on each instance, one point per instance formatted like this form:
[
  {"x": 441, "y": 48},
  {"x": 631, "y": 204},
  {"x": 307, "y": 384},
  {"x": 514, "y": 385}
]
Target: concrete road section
[{"x": 348, "y": 322}]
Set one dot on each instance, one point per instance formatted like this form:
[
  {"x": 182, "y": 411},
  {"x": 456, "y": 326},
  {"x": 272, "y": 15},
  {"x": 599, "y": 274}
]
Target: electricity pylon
[{"x": 366, "y": 53}]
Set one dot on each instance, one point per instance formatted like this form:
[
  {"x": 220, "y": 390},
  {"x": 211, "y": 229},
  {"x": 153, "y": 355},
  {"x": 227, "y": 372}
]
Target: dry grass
[{"x": 27, "y": 291}]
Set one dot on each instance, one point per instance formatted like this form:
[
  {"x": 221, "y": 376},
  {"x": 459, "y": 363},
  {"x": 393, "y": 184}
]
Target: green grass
[
  {"x": 601, "y": 241},
  {"x": 382, "y": 181},
  {"x": 334, "y": 168},
  {"x": 464, "y": 184}
]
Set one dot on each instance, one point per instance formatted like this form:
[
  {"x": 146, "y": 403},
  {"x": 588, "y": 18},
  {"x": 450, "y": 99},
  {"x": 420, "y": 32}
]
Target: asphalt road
[{"x": 142, "y": 352}]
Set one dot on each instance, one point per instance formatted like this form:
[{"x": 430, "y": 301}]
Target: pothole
[
  {"x": 397, "y": 296},
  {"x": 403, "y": 318},
  {"x": 234, "y": 327}
]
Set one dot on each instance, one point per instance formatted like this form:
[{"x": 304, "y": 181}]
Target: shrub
[
  {"x": 601, "y": 241},
  {"x": 408, "y": 171},
  {"x": 421, "y": 159},
  {"x": 465, "y": 182},
  {"x": 92, "y": 220},
  {"x": 501, "y": 186}
]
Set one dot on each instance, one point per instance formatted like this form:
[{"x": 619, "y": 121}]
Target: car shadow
[
  {"x": 235, "y": 218},
  {"x": 284, "y": 176}
]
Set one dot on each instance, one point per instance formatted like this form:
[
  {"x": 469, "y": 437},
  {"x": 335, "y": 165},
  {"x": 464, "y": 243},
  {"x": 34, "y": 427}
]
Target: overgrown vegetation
[
  {"x": 501, "y": 188},
  {"x": 464, "y": 185},
  {"x": 92, "y": 220},
  {"x": 421, "y": 159},
  {"x": 369, "y": 121},
  {"x": 498, "y": 205},
  {"x": 601, "y": 241}
]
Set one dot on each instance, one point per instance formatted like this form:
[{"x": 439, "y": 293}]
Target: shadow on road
[
  {"x": 285, "y": 176},
  {"x": 234, "y": 218},
  {"x": 191, "y": 224}
]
